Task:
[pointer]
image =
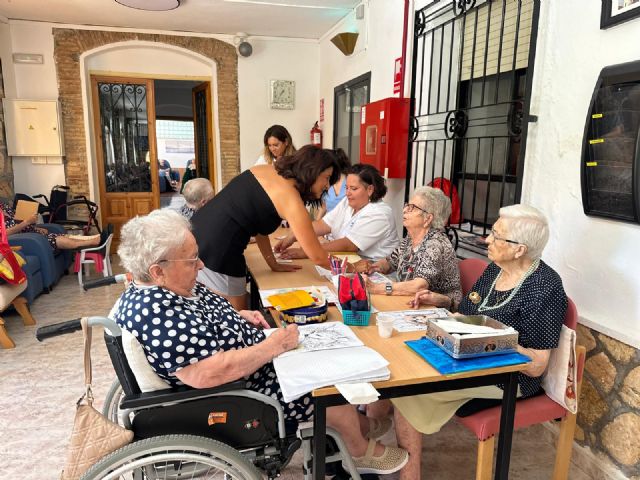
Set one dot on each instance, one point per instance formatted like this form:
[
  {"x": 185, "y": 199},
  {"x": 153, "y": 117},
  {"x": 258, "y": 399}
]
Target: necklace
[{"x": 483, "y": 306}]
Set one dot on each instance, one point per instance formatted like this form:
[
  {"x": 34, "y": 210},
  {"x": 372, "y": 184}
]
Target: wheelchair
[{"x": 226, "y": 432}]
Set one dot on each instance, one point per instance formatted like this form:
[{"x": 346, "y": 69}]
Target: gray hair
[
  {"x": 147, "y": 240},
  {"x": 435, "y": 202},
  {"x": 197, "y": 190},
  {"x": 527, "y": 225}
]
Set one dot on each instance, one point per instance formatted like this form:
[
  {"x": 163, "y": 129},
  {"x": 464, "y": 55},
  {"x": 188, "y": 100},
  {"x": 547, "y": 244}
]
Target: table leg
[
  {"x": 319, "y": 449},
  {"x": 506, "y": 427}
]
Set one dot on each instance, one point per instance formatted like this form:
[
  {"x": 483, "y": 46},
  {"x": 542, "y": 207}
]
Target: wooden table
[{"x": 410, "y": 374}]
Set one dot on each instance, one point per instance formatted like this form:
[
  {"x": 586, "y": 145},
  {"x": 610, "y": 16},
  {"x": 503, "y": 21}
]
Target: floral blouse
[{"x": 433, "y": 260}]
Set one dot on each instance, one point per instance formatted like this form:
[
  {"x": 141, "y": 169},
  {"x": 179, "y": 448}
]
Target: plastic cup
[{"x": 385, "y": 325}]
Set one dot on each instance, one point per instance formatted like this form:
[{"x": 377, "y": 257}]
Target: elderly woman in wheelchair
[{"x": 193, "y": 337}]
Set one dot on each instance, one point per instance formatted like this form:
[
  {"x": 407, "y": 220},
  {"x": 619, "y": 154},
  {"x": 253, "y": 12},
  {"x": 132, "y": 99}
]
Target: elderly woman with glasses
[
  {"x": 425, "y": 258},
  {"x": 192, "y": 336},
  {"x": 518, "y": 289}
]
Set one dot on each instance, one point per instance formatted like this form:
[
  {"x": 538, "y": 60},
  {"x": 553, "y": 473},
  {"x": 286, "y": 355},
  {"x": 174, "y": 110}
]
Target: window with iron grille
[{"x": 472, "y": 69}]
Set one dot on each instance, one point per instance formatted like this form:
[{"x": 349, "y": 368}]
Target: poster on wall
[
  {"x": 397, "y": 75},
  {"x": 615, "y": 12}
]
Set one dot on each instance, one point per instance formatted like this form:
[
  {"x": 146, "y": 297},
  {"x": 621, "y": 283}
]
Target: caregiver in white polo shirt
[{"x": 360, "y": 223}]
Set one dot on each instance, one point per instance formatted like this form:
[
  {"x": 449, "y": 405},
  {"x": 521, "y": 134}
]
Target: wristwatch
[{"x": 388, "y": 289}]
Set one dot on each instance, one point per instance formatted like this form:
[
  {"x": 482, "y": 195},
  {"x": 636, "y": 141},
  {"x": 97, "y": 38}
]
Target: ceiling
[{"x": 274, "y": 18}]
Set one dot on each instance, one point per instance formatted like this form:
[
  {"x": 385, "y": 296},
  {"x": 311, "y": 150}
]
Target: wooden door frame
[
  {"x": 151, "y": 131},
  {"x": 206, "y": 86}
]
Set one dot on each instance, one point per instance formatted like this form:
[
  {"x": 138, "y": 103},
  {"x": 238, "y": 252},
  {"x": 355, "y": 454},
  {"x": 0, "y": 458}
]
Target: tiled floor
[{"x": 40, "y": 383}]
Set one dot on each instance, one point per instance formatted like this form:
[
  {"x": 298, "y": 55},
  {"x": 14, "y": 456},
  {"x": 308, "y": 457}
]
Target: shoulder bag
[{"x": 93, "y": 435}]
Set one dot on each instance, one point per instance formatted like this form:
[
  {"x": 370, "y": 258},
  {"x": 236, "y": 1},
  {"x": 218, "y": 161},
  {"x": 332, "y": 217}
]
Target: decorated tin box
[
  {"x": 311, "y": 314},
  {"x": 469, "y": 336}
]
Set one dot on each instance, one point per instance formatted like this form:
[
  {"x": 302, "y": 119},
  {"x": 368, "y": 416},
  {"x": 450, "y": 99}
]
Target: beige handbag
[{"x": 93, "y": 435}]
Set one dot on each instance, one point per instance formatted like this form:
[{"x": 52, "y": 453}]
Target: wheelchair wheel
[
  {"x": 112, "y": 402},
  {"x": 174, "y": 457}
]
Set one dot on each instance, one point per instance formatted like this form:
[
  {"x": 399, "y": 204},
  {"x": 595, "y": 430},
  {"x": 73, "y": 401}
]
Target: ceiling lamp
[
  {"x": 346, "y": 42},
  {"x": 153, "y": 5}
]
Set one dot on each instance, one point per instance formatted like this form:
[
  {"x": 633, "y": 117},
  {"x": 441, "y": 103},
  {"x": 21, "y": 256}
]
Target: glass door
[
  {"x": 348, "y": 101},
  {"x": 124, "y": 123}
]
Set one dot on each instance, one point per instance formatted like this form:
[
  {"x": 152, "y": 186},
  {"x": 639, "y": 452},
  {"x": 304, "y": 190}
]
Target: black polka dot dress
[
  {"x": 177, "y": 331},
  {"x": 536, "y": 311}
]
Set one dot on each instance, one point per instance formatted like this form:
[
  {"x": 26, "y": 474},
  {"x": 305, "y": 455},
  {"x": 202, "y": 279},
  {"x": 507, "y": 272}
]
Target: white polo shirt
[{"x": 372, "y": 229}]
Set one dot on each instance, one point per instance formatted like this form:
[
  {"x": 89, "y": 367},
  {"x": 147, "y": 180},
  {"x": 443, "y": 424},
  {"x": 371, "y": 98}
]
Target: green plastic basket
[{"x": 357, "y": 318}]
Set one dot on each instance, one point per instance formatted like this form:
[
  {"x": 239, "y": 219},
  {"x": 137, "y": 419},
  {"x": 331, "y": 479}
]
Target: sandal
[
  {"x": 378, "y": 427},
  {"x": 391, "y": 460}
]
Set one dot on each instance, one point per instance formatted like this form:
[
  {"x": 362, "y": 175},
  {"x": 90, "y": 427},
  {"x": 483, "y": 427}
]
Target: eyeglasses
[
  {"x": 193, "y": 261},
  {"x": 497, "y": 237},
  {"x": 410, "y": 207}
]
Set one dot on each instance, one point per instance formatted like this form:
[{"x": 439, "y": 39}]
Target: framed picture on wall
[{"x": 615, "y": 12}]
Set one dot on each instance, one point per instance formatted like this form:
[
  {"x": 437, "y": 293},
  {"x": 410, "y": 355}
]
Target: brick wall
[{"x": 69, "y": 44}]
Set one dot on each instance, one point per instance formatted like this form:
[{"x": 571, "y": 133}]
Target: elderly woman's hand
[
  {"x": 427, "y": 297},
  {"x": 362, "y": 266},
  {"x": 284, "y": 339},
  {"x": 254, "y": 317},
  {"x": 293, "y": 254},
  {"x": 29, "y": 221},
  {"x": 283, "y": 244}
]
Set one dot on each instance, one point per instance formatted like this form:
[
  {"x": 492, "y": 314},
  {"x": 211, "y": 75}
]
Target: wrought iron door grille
[
  {"x": 124, "y": 136},
  {"x": 471, "y": 81}
]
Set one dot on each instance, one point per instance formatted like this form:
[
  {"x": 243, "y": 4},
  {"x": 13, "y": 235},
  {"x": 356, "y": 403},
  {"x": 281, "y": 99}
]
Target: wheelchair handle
[
  {"x": 56, "y": 329},
  {"x": 103, "y": 282},
  {"x": 74, "y": 325}
]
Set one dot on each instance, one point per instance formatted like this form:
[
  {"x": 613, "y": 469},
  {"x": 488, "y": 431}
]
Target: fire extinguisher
[{"x": 316, "y": 135}]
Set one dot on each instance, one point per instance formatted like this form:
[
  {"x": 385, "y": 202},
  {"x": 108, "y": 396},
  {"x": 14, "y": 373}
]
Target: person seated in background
[
  {"x": 277, "y": 144},
  {"x": 519, "y": 290},
  {"x": 191, "y": 336},
  {"x": 360, "y": 223},
  {"x": 425, "y": 258},
  {"x": 197, "y": 192},
  {"x": 190, "y": 172},
  {"x": 57, "y": 241},
  {"x": 168, "y": 178},
  {"x": 337, "y": 191}
]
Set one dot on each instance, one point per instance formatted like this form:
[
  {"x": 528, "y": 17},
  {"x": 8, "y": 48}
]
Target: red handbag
[{"x": 10, "y": 270}]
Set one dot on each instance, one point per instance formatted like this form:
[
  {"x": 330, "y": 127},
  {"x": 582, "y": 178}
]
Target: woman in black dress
[{"x": 254, "y": 204}]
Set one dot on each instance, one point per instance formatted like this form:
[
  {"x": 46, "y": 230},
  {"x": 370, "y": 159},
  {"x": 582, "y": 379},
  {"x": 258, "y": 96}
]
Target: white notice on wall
[{"x": 363, "y": 116}]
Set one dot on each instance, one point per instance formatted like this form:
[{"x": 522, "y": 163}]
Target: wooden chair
[
  {"x": 530, "y": 411},
  {"x": 470, "y": 271},
  {"x": 9, "y": 295}
]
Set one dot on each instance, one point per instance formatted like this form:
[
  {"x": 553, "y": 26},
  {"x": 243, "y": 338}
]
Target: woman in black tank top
[{"x": 253, "y": 204}]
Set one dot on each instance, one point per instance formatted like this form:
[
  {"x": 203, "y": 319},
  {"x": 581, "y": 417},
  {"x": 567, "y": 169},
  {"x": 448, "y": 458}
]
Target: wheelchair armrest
[{"x": 183, "y": 394}]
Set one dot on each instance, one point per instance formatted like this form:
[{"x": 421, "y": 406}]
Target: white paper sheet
[
  {"x": 452, "y": 326},
  {"x": 414, "y": 320},
  {"x": 322, "y": 336},
  {"x": 300, "y": 374}
]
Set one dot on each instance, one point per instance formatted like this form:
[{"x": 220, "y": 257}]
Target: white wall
[
  {"x": 276, "y": 59},
  {"x": 379, "y": 44},
  {"x": 7, "y": 65},
  {"x": 598, "y": 259},
  {"x": 272, "y": 59},
  {"x": 31, "y": 82}
]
